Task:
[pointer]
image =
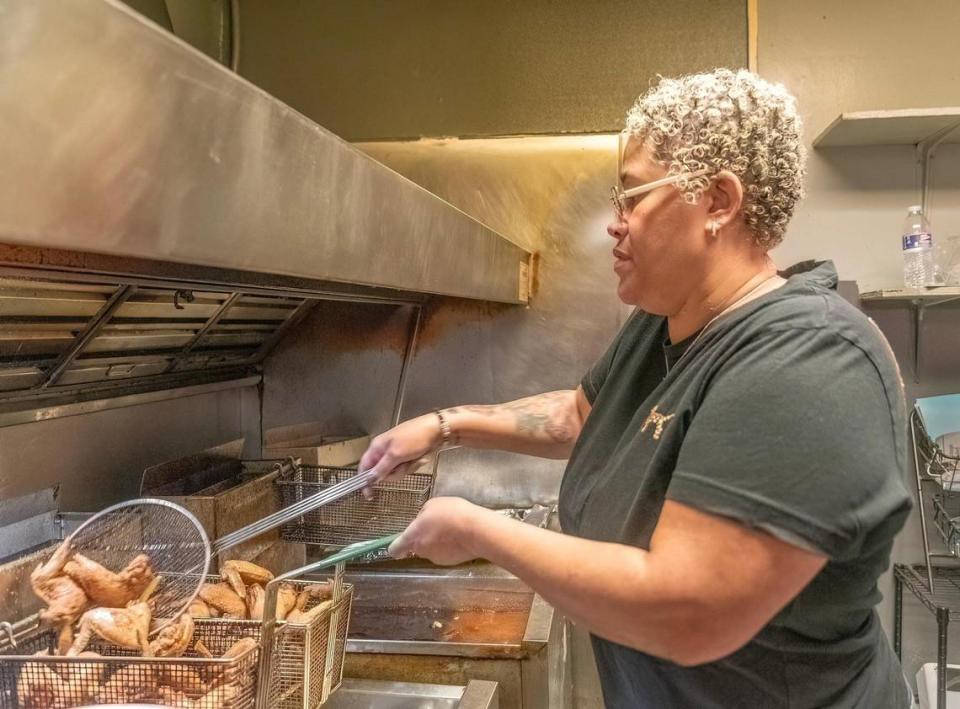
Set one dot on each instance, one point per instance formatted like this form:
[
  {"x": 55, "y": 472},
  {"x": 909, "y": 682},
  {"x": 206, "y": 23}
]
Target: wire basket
[
  {"x": 306, "y": 664},
  {"x": 354, "y": 518},
  {"x": 118, "y": 677},
  {"x": 307, "y": 660}
]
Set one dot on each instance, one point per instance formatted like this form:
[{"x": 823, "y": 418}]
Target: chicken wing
[
  {"x": 239, "y": 574},
  {"x": 286, "y": 600},
  {"x": 174, "y": 639},
  {"x": 108, "y": 589},
  {"x": 255, "y": 598},
  {"x": 199, "y": 609},
  {"x": 127, "y": 627},
  {"x": 224, "y": 599},
  {"x": 301, "y": 617},
  {"x": 240, "y": 647}
]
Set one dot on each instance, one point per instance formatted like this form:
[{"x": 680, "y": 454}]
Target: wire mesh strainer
[{"x": 172, "y": 539}]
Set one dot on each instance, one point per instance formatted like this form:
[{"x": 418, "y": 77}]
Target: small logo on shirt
[{"x": 658, "y": 421}]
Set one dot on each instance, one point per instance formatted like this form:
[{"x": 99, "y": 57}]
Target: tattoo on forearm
[{"x": 542, "y": 415}]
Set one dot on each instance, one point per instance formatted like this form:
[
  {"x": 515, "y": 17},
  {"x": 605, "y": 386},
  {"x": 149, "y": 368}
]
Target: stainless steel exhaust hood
[{"x": 125, "y": 151}]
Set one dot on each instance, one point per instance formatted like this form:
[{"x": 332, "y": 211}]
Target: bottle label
[{"x": 916, "y": 241}]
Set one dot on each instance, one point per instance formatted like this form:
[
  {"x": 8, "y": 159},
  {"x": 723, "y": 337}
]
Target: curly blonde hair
[{"x": 729, "y": 120}]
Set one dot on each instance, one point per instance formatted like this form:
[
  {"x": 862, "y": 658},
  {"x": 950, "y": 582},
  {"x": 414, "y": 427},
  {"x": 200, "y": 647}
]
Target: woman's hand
[
  {"x": 444, "y": 532},
  {"x": 395, "y": 451}
]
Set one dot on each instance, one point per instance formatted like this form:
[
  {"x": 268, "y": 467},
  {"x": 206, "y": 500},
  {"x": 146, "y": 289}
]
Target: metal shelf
[
  {"x": 946, "y": 593},
  {"x": 910, "y": 126},
  {"x": 944, "y": 603},
  {"x": 920, "y": 299},
  {"x": 929, "y": 296},
  {"x": 923, "y": 128}
]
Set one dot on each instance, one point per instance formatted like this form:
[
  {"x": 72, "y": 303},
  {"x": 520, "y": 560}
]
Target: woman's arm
[
  {"x": 545, "y": 425},
  {"x": 707, "y": 585}
]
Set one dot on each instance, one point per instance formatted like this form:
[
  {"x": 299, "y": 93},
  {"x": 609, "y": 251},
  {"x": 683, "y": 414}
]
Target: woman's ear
[{"x": 725, "y": 199}]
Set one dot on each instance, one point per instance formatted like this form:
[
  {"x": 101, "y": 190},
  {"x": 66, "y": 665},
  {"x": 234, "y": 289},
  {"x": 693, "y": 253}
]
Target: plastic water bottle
[{"x": 918, "y": 266}]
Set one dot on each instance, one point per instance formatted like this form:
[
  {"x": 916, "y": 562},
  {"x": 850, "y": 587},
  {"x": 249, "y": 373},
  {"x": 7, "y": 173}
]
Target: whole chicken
[
  {"x": 239, "y": 574},
  {"x": 224, "y": 599},
  {"x": 65, "y": 599},
  {"x": 127, "y": 627},
  {"x": 108, "y": 589},
  {"x": 174, "y": 639}
]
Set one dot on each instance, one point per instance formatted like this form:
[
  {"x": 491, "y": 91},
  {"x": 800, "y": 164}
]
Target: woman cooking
[{"x": 734, "y": 478}]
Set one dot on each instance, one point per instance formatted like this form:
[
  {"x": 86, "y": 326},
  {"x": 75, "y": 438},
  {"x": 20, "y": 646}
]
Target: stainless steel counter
[{"x": 372, "y": 694}]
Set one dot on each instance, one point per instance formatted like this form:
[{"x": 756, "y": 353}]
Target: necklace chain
[{"x": 733, "y": 306}]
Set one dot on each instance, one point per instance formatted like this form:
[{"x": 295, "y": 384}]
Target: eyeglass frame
[{"x": 619, "y": 196}]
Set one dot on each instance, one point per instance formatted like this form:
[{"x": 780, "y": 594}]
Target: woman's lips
[{"x": 621, "y": 259}]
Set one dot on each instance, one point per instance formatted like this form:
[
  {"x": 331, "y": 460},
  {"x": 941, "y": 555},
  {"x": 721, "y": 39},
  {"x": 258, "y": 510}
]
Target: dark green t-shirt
[{"x": 787, "y": 415}]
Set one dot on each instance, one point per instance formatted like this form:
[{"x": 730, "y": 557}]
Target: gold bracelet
[{"x": 446, "y": 433}]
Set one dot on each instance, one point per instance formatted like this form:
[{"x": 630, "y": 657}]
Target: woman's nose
[{"x": 617, "y": 228}]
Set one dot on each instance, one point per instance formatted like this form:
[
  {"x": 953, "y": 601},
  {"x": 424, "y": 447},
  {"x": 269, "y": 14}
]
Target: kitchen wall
[
  {"x": 863, "y": 55},
  {"x": 379, "y": 69},
  {"x": 97, "y": 458}
]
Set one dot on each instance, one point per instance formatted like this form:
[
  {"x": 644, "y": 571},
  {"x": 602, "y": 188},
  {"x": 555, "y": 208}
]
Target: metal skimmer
[{"x": 171, "y": 537}]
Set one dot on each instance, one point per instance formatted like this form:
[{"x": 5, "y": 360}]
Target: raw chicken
[
  {"x": 174, "y": 639},
  {"x": 183, "y": 678},
  {"x": 39, "y": 687},
  {"x": 175, "y": 698},
  {"x": 107, "y": 589},
  {"x": 127, "y": 627},
  {"x": 224, "y": 599},
  {"x": 217, "y": 697},
  {"x": 239, "y": 574},
  {"x": 64, "y": 598},
  {"x": 133, "y": 683},
  {"x": 82, "y": 679}
]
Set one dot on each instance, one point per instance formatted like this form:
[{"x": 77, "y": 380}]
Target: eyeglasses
[{"x": 620, "y": 196}]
